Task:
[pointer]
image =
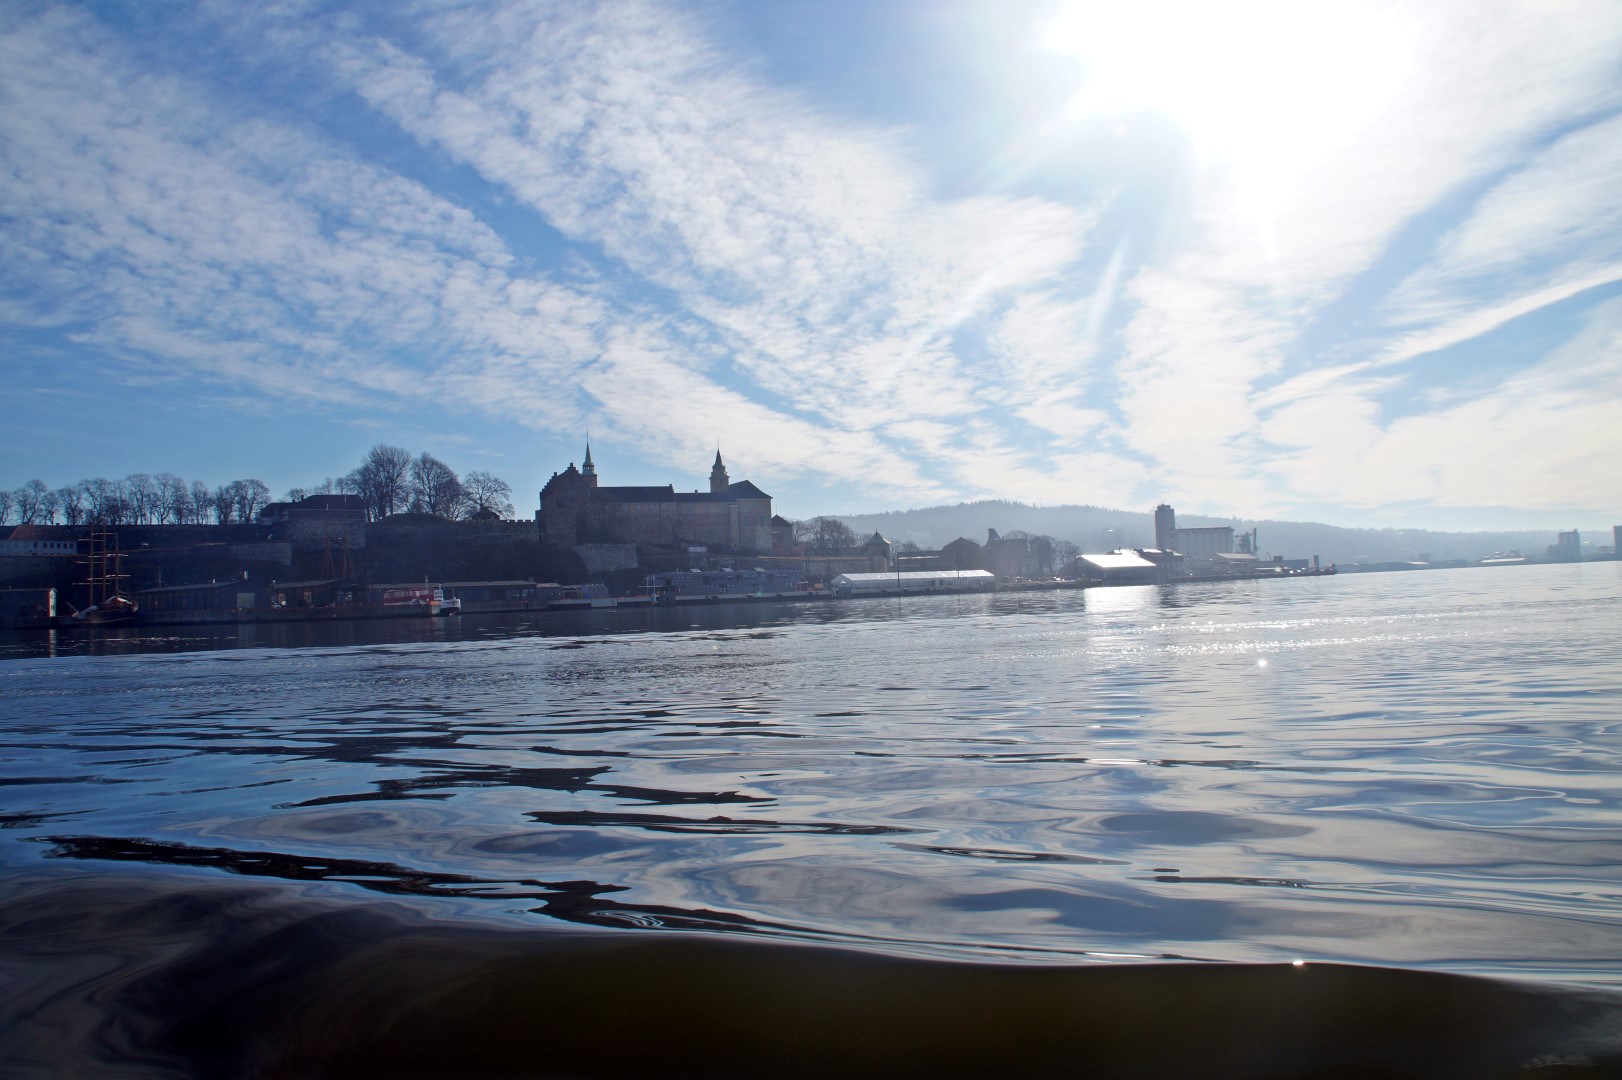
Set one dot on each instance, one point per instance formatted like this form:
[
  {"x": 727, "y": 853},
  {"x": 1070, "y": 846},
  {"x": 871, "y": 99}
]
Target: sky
[{"x": 1356, "y": 263}]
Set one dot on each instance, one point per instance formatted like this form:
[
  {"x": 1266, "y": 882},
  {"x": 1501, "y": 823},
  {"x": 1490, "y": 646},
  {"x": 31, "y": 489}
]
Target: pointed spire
[
  {"x": 587, "y": 467},
  {"x": 718, "y": 477}
]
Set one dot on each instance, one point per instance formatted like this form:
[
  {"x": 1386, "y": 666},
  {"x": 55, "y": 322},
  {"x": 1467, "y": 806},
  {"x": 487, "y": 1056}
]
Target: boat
[
  {"x": 109, "y": 612},
  {"x": 104, "y": 584},
  {"x": 426, "y": 599}
]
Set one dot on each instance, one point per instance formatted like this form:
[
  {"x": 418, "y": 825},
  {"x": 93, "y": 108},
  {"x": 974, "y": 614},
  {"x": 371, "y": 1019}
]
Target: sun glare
[{"x": 1269, "y": 88}]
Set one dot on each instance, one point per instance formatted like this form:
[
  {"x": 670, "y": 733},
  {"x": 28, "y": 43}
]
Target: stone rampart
[{"x": 602, "y": 558}]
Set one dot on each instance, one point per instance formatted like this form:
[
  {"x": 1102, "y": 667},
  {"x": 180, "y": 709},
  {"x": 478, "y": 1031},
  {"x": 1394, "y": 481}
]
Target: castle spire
[
  {"x": 719, "y": 482},
  {"x": 587, "y": 467}
]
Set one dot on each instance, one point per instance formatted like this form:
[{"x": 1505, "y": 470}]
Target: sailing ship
[{"x": 104, "y": 584}]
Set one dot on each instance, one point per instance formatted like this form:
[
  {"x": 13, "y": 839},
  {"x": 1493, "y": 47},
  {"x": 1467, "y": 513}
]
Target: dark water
[{"x": 1044, "y": 833}]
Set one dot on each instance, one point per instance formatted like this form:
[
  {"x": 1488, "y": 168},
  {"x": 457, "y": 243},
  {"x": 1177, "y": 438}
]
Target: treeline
[{"x": 391, "y": 480}]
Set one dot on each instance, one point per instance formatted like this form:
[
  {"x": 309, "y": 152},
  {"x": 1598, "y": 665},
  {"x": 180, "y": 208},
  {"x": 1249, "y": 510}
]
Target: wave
[{"x": 109, "y": 974}]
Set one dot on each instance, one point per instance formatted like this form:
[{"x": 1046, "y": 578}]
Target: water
[{"x": 964, "y": 824}]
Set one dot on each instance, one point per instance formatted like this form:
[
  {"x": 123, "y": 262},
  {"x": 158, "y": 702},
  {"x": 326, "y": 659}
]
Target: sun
[{"x": 1267, "y": 87}]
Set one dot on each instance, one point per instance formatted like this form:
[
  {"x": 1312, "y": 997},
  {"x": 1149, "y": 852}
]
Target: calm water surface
[{"x": 1411, "y": 771}]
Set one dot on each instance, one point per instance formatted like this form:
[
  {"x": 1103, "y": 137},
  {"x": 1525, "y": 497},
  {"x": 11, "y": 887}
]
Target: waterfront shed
[{"x": 1119, "y": 568}]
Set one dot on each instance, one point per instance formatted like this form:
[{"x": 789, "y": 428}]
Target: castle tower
[
  {"x": 719, "y": 484},
  {"x": 587, "y": 470}
]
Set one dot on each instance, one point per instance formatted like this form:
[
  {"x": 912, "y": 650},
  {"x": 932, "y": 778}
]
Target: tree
[
  {"x": 104, "y": 501},
  {"x": 1064, "y": 557},
  {"x": 71, "y": 498},
  {"x": 27, "y": 500},
  {"x": 383, "y": 480},
  {"x": 248, "y": 497},
  {"x": 486, "y": 491},
  {"x": 435, "y": 487},
  {"x": 824, "y": 534},
  {"x": 225, "y": 504},
  {"x": 170, "y": 501},
  {"x": 296, "y": 494},
  {"x": 140, "y": 496},
  {"x": 49, "y": 504},
  {"x": 200, "y": 502}
]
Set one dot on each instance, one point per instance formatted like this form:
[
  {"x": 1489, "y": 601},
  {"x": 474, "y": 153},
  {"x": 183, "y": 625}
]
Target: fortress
[{"x": 576, "y": 510}]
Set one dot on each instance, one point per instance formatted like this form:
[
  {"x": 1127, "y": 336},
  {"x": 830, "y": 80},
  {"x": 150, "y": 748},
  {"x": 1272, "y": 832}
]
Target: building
[
  {"x": 1197, "y": 546},
  {"x": 1119, "y": 568},
  {"x": 1567, "y": 547},
  {"x": 233, "y": 594},
  {"x": 576, "y": 509},
  {"x": 318, "y": 521},
  {"x": 1165, "y": 525},
  {"x": 30, "y": 539},
  {"x": 901, "y": 581}
]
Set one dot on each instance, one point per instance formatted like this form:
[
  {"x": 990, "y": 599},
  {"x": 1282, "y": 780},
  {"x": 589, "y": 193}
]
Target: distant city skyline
[{"x": 1357, "y": 264}]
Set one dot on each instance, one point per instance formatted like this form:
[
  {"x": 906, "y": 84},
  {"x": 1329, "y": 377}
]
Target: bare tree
[
  {"x": 27, "y": 499},
  {"x": 49, "y": 504},
  {"x": 1064, "y": 557},
  {"x": 225, "y": 503},
  {"x": 140, "y": 493},
  {"x": 382, "y": 480},
  {"x": 170, "y": 500},
  {"x": 71, "y": 498},
  {"x": 435, "y": 487},
  {"x": 486, "y": 491},
  {"x": 824, "y": 534},
  {"x": 297, "y": 494},
  {"x": 202, "y": 499},
  {"x": 102, "y": 502},
  {"x": 247, "y": 497},
  {"x": 5, "y": 506}
]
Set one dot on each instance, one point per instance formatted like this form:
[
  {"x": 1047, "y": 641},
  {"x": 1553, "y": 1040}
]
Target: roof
[
  {"x": 877, "y": 538},
  {"x": 916, "y": 576},
  {"x": 1118, "y": 561},
  {"x": 228, "y": 583},
  {"x": 633, "y": 494},
  {"x": 1234, "y": 556},
  {"x": 309, "y": 584},
  {"x": 743, "y": 489}
]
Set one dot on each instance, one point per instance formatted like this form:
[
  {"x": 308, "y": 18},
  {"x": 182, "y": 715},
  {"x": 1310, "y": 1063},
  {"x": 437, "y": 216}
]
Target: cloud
[
  {"x": 1548, "y": 231},
  {"x": 606, "y": 215},
  {"x": 1209, "y": 345},
  {"x": 810, "y": 250}
]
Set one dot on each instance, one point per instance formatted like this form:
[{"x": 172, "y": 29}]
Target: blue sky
[{"x": 1357, "y": 263}]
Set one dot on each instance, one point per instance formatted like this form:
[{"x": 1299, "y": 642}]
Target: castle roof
[
  {"x": 650, "y": 493},
  {"x": 743, "y": 489}
]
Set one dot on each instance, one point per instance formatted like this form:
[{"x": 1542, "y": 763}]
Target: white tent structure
[{"x": 913, "y": 581}]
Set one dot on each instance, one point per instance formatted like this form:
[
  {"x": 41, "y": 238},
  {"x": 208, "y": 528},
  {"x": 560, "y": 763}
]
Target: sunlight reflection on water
[{"x": 1409, "y": 769}]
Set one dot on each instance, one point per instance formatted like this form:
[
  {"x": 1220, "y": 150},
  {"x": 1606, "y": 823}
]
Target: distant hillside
[{"x": 1096, "y": 528}]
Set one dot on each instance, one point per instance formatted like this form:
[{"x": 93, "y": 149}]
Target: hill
[{"x": 1096, "y": 528}]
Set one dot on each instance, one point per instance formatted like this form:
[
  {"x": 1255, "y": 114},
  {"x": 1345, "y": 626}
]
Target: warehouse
[{"x": 913, "y": 581}]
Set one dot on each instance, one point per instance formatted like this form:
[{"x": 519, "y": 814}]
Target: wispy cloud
[{"x": 572, "y": 215}]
